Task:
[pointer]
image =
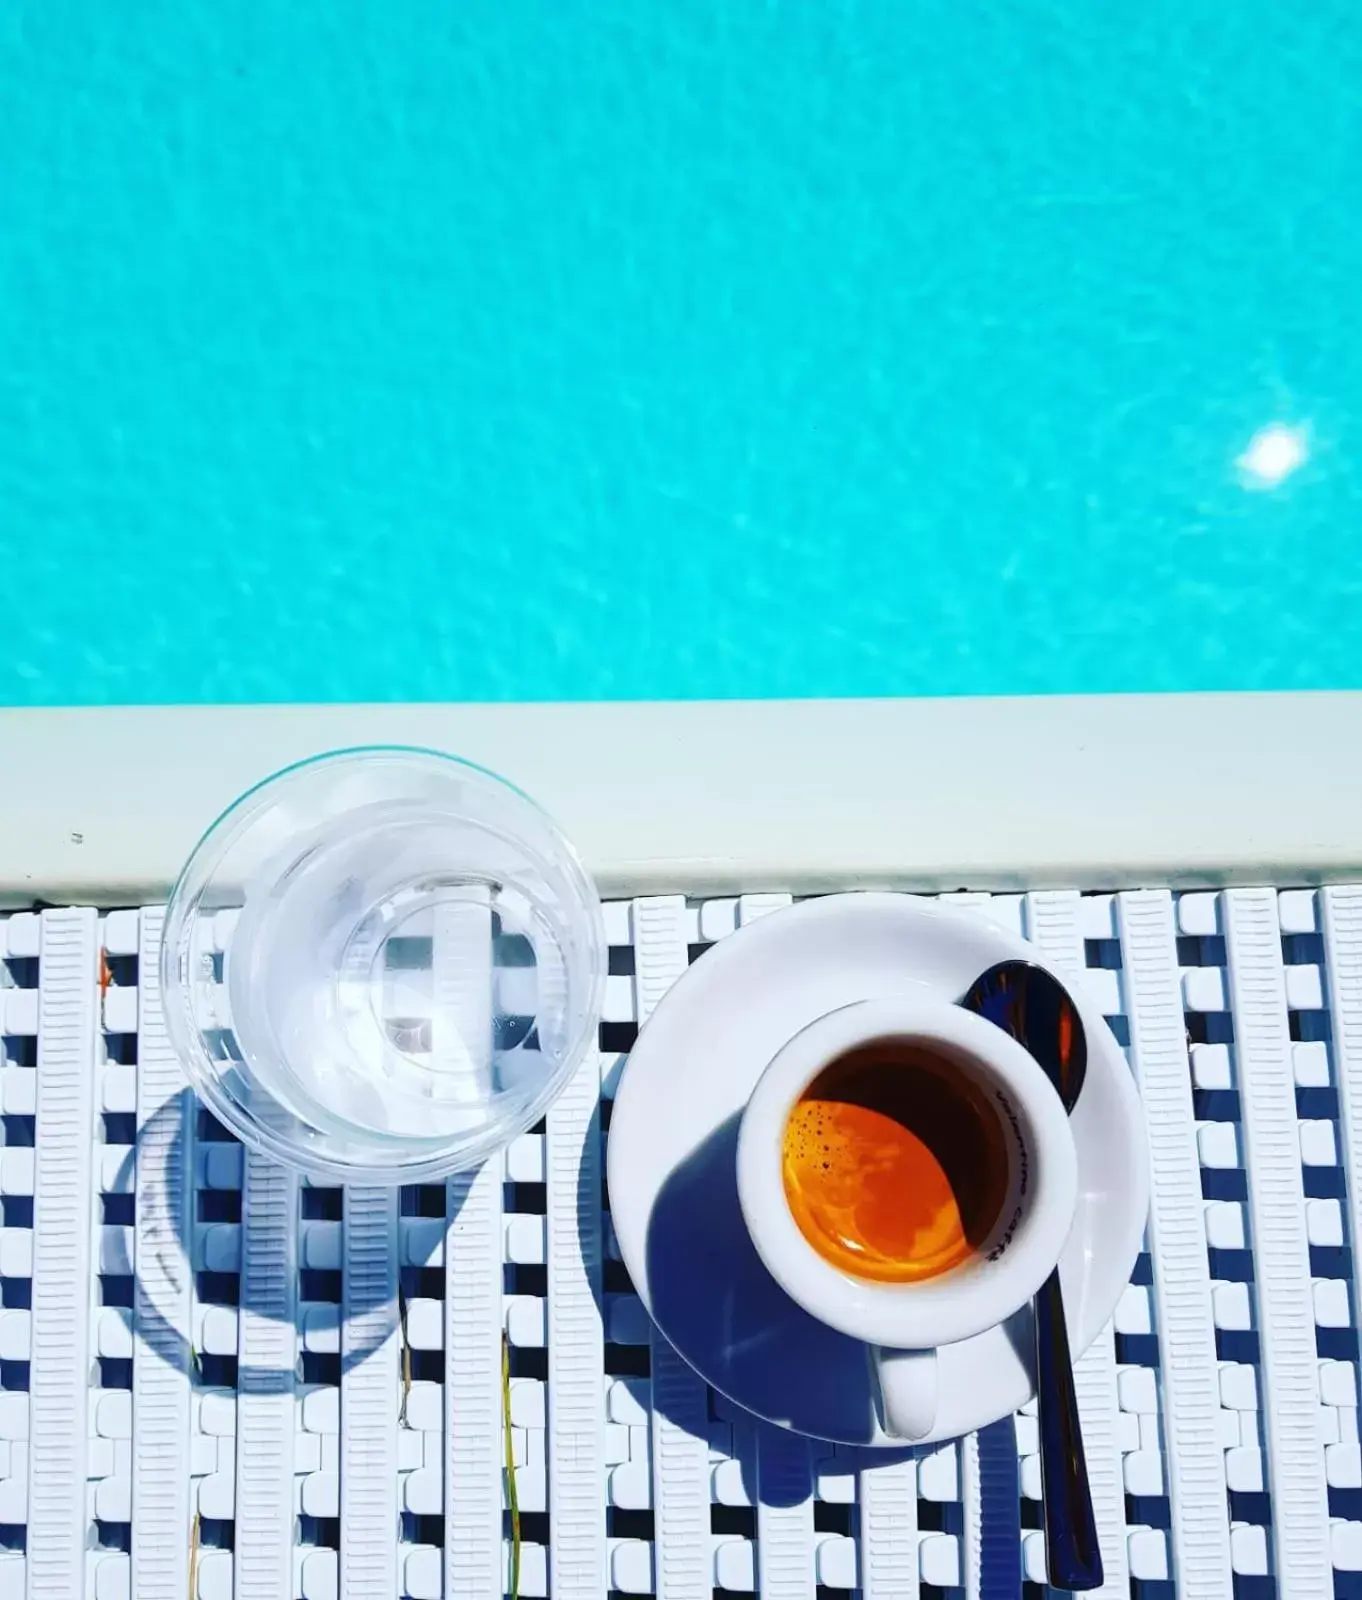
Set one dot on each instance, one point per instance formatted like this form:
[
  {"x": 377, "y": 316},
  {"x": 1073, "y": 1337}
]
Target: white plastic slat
[
  {"x": 785, "y": 1541},
  {"x": 1177, "y": 1236},
  {"x": 1342, "y": 909},
  {"x": 164, "y": 1285},
  {"x": 266, "y": 1359},
  {"x": 753, "y": 906},
  {"x": 473, "y": 1420},
  {"x": 1054, "y": 924},
  {"x": 1300, "y": 1506},
  {"x": 889, "y": 1531},
  {"x": 461, "y": 975},
  {"x": 369, "y": 1371},
  {"x": 680, "y": 1420},
  {"x": 972, "y": 1505},
  {"x": 461, "y": 988},
  {"x": 658, "y": 925},
  {"x": 576, "y": 1468},
  {"x": 62, "y": 1219}
]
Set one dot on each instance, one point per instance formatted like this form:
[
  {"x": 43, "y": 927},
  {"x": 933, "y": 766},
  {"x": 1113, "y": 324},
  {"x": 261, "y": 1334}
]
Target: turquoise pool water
[{"x": 508, "y": 349}]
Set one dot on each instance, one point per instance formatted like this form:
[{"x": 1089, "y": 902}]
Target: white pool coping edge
[{"x": 711, "y": 797}]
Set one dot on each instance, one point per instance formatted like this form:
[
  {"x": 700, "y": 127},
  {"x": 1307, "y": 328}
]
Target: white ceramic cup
[{"x": 903, "y": 1323}]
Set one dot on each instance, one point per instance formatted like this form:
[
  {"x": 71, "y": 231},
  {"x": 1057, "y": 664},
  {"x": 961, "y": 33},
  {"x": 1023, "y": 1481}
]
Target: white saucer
[{"x": 673, "y": 1193}]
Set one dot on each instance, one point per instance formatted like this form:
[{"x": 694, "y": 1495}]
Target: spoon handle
[{"x": 1072, "y": 1553}]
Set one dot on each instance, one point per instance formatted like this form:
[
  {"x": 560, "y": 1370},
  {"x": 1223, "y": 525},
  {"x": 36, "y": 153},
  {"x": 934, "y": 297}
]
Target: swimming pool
[{"x": 517, "y": 352}]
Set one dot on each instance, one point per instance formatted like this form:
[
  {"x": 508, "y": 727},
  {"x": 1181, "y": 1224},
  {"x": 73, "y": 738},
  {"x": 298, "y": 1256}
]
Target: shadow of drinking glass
[{"x": 161, "y": 1152}]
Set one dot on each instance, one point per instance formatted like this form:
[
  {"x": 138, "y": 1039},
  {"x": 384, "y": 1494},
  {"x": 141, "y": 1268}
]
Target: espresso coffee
[{"x": 895, "y": 1165}]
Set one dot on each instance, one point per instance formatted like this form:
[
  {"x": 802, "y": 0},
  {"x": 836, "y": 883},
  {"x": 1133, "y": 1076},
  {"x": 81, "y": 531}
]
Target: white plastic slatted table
[{"x": 191, "y": 1337}]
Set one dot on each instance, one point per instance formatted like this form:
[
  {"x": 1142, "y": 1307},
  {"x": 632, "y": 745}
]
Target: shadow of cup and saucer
[{"x": 721, "y": 1307}]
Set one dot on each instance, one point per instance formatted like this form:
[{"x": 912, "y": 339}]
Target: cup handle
[{"x": 907, "y": 1381}]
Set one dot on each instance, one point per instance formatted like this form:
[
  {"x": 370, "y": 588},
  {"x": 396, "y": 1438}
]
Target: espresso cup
[{"x": 907, "y": 1173}]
